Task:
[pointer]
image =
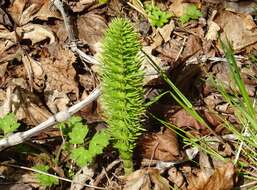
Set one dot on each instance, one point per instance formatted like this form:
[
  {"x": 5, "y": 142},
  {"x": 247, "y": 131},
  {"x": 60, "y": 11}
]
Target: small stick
[
  {"x": 71, "y": 35},
  {"x": 20, "y": 137},
  {"x": 102, "y": 174}
]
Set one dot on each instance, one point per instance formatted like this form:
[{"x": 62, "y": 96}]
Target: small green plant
[
  {"x": 190, "y": 13},
  {"x": 156, "y": 16},
  {"x": 75, "y": 132},
  {"x": 45, "y": 180},
  {"x": 8, "y": 123},
  {"x": 244, "y": 109},
  {"x": 122, "y": 87}
]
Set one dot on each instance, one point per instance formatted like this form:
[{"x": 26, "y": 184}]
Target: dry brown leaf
[
  {"x": 223, "y": 74},
  {"x": 57, "y": 101},
  {"x": 91, "y": 28},
  {"x": 184, "y": 119},
  {"x": 24, "y": 11},
  {"x": 162, "y": 146},
  {"x": 246, "y": 6},
  {"x": 178, "y": 7},
  {"x": 36, "y": 33},
  {"x": 26, "y": 105},
  {"x": 35, "y": 72},
  {"x": 146, "y": 179},
  {"x": 193, "y": 45},
  {"x": 21, "y": 10},
  {"x": 79, "y": 6},
  {"x": 177, "y": 178},
  {"x": 223, "y": 178},
  {"x": 163, "y": 34},
  {"x": 147, "y": 68},
  {"x": 3, "y": 68},
  {"x": 46, "y": 12},
  {"x": 60, "y": 72},
  {"x": 171, "y": 49},
  {"x": 240, "y": 29},
  {"x": 213, "y": 29},
  {"x": 4, "y": 18},
  {"x": 7, "y": 39}
]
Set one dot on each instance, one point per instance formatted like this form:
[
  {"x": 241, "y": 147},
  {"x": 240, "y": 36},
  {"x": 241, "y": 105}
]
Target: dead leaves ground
[{"x": 41, "y": 76}]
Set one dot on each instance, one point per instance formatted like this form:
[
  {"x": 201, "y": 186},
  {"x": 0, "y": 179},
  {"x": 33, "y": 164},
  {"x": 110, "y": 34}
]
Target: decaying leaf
[
  {"x": 60, "y": 71},
  {"x": 56, "y": 101},
  {"x": 26, "y": 105},
  {"x": 239, "y": 29},
  {"x": 178, "y": 7},
  {"x": 183, "y": 119},
  {"x": 177, "y": 178},
  {"x": 91, "y": 28},
  {"x": 36, "y": 33},
  {"x": 246, "y": 7},
  {"x": 193, "y": 45},
  {"x": 24, "y": 11},
  {"x": 161, "y": 146},
  {"x": 222, "y": 178},
  {"x": 213, "y": 30},
  {"x": 146, "y": 179}
]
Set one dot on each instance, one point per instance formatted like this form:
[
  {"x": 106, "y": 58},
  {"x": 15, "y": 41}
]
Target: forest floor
[{"x": 49, "y": 61}]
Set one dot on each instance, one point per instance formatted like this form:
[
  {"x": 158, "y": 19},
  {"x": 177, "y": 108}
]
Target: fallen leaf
[
  {"x": 26, "y": 105},
  {"x": 80, "y": 178},
  {"x": 56, "y": 101},
  {"x": 36, "y": 33},
  {"x": 161, "y": 146},
  {"x": 150, "y": 73},
  {"x": 183, "y": 119},
  {"x": 60, "y": 71},
  {"x": 91, "y": 28},
  {"x": 193, "y": 45},
  {"x": 238, "y": 28},
  {"x": 24, "y": 11},
  {"x": 246, "y": 6},
  {"x": 81, "y": 5},
  {"x": 4, "y": 18},
  {"x": 146, "y": 179},
  {"x": 213, "y": 29},
  {"x": 222, "y": 178},
  {"x": 177, "y": 178},
  {"x": 178, "y": 7},
  {"x": 7, "y": 39},
  {"x": 166, "y": 31}
]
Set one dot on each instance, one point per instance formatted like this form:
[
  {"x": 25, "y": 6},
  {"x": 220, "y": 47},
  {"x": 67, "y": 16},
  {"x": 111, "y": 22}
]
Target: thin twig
[
  {"x": 20, "y": 137},
  {"x": 102, "y": 174},
  {"x": 71, "y": 35}
]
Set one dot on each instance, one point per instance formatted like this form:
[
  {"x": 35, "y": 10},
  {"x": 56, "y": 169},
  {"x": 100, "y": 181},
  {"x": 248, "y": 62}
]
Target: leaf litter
[{"x": 41, "y": 75}]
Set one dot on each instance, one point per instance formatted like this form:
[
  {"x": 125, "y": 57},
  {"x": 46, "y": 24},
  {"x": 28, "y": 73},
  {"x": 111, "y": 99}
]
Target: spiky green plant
[{"x": 122, "y": 87}]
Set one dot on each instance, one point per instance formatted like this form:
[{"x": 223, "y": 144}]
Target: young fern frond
[{"x": 122, "y": 87}]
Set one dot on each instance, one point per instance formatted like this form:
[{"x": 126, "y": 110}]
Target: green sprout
[
  {"x": 8, "y": 123},
  {"x": 45, "y": 180},
  {"x": 122, "y": 87},
  {"x": 76, "y": 132},
  {"x": 156, "y": 16},
  {"x": 190, "y": 13}
]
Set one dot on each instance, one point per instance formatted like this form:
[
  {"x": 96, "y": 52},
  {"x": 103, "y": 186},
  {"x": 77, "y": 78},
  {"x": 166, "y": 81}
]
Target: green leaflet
[
  {"x": 122, "y": 86},
  {"x": 8, "y": 123},
  {"x": 76, "y": 132},
  {"x": 190, "y": 12},
  {"x": 156, "y": 16},
  {"x": 45, "y": 180}
]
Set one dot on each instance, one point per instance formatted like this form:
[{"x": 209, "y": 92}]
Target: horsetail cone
[{"x": 122, "y": 87}]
